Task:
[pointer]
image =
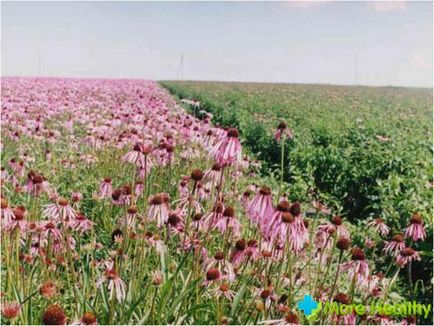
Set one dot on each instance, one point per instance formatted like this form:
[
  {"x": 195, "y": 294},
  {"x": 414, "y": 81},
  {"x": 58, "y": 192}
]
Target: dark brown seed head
[
  {"x": 137, "y": 147},
  {"x": 281, "y": 125},
  {"x": 357, "y": 254},
  {"x": 283, "y": 206},
  {"x": 408, "y": 252},
  {"x": 216, "y": 167},
  {"x": 337, "y": 220},
  {"x": 341, "y": 298},
  {"x": 229, "y": 212},
  {"x": 54, "y": 315},
  {"x": 291, "y": 318},
  {"x": 88, "y": 318},
  {"x": 252, "y": 243},
  {"x": 218, "y": 208},
  {"x": 116, "y": 233},
  {"x": 287, "y": 217},
  {"x": 132, "y": 210},
  {"x": 116, "y": 194},
  {"x": 416, "y": 219},
  {"x": 219, "y": 255},
  {"x": 38, "y": 179},
  {"x": 173, "y": 219},
  {"x": 398, "y": 237},
  {"x": 169, "y": 148},
  {"x": 157, "y": 200},
  {"x": 343, "y": 243},
  {"x": 197, "y": 217},
  {"x": 232, "y": 132},
  {"x": 265, "y": 293},
  {"x": 240, "y": 245},
  {"x": 224, "y": 287},
  {"x": 295, "y": 209},
  {"x": 18, "y": 214},
  {"x": 266, "y": 191},
  {"x": 107, "y": 179},
  {"x": 126, "y": 189},
  {"x": 197, "y": 175},
  {"x": 212, "y": 274},
  {"x": 62, "y": 202}
]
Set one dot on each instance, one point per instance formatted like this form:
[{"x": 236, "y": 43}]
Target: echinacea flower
[
  {"x": 229, "y": 222},
  {"x": 335, "y": 225},
  {"x": 80, "y": 224},
  {"x": 261, "y": 207},
  {"x": 415, "y": 230},
  {"x": 289, "y": 319},
  {"x": 220, "y": 263},
  {"x": 10, "y": 310},
  {"x": 135, "y": 156},
  {"x": 357, "y": 268},
  {"x": 406, "y": 256},
  {"x": 283, "y": 131},
  {"x": 212, "y": 275},
  {"x": 379, "y": 226},
  {"x": 17, "y": 220},
  {"x": 54, "y": 315},
  {"x": 214, "y": 175},
  {"x": 6, "y": 212},
  {"x": 88, "y": 318},
  {"x": 395, "y": 246},
  {"x": 159, "y": 210},
  {"x": 35, "y": 184},
  {"x": 228, "y": 149},
  {"x": 115, "y": 284},
  {"x": 129, "y": 220},
  {"x": 175, "y": 223},
  {"x": 223, "y": 291},
  {"x": 105, "y": 188},
  {"x": 269, "y": 227},
  {"x": 238, "y": 256},
  {"x": 61, "y": 211},
  {"x": 48, "y": 290}
]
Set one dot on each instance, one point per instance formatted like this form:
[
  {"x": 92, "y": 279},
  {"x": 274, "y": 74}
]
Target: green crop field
[{"x": 365, "y": 151}]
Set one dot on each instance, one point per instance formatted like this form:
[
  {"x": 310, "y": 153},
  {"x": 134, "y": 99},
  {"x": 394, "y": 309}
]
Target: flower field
[{"x": 118, "y": 206}]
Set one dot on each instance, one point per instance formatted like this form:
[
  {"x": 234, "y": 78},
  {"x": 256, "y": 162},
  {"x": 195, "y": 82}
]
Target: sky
[{"x": 366, "y": 43}]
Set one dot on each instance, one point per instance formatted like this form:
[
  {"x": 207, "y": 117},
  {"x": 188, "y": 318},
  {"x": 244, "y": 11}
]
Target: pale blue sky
[{"x": 268, "y": 41}]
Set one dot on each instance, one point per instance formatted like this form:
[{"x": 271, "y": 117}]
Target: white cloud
[{"x": 385, "y": 6}]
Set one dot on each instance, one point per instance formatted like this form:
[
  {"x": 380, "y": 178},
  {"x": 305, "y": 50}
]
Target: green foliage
[{"x": 364, "y": 151}]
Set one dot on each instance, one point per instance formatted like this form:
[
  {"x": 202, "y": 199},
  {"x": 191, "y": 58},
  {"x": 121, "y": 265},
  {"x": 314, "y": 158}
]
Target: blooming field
[{"x": 120, "y": 208}]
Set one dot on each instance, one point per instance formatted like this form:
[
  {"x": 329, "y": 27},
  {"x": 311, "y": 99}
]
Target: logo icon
[{"x": 307, "y": 305}]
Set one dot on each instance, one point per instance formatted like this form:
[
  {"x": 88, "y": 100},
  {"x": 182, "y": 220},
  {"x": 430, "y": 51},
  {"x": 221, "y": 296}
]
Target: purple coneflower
[
  {"x": 415, "y": 230},
  {"x": 105, "y": 188},
  {"x": 406, "y": 256},
  {"x": 159, "y": 210},
  {"x": 115, "y": 284},
  {"x": 61, "y": 210},
  {"x": 11, "y": 310},
  {"x": 228, "y": 149},
  {"x": 395, "y": 246},
  {"x": 379, "y": 226},
  {"x": 283, "y": 131},
  {"x": 261, "y": 208},
  {"x": 357, "y": 268},
  {"x": 80, "y": 224},
  {"x": 88, "y": 318},
  {"x": 228, "y": 221}
]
